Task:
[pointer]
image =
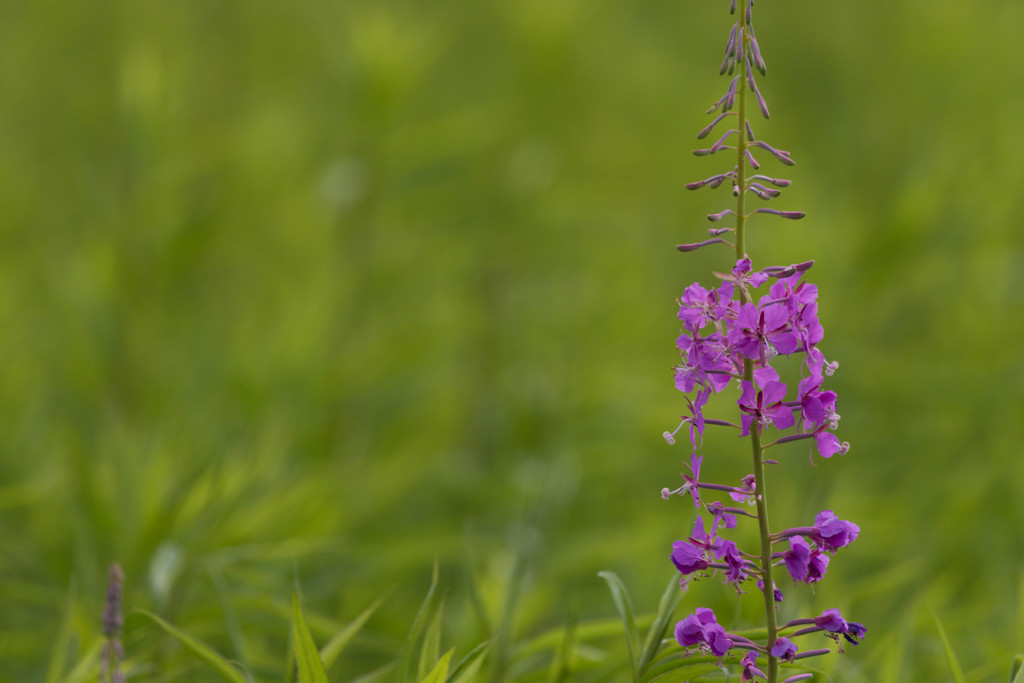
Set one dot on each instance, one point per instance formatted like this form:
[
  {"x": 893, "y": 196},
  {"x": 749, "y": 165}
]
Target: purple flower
[
  {"x": 743, "y": 273},
  {"x": 717, "y": 639},
  {"x": 793, "y": 291},
  {"x": 701, "y": 628},
  {"x": 690, "y": 630},
  {"x": 708, "y": 542},
  {"x": 777, "y": 593},
  {"x": 832, "y": 533},
  {"x": 797, "y": 557},
  {"x": 784, "y": 649},
  {"x": 832, "y": 621},
  {"x": 765, "y": 407},
  {"x": 816, "y": 406},
  {"x": 748, "y": 485},
  {"x": 687, "y": 558},
  {"x": 855, "y": 632},
  {"x": 704, "y": 363},
  {"x": 762, "y": 334},
  {"x": 698, "y": 307},
  {"x": 736, "y": 571},
  {"x": 722, "y": 515},
  {"x": 803, "y": 562},
  {"x": 750, "y": 670},
  {"x": 697, "y": 415},
  {"x": 692, "y": 483},
  {"x": 807, "y": 326},
  {"x": 828, "y": 444}
]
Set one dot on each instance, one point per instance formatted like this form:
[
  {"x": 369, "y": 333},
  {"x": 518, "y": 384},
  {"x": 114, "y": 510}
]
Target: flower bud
[{"x": 697, "y": 245}]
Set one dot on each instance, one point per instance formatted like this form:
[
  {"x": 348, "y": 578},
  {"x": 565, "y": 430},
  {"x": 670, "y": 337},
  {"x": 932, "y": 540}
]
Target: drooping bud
[
  {"x": 696, "y": 185},
  {"x": 777, "y": 182},
  {"x": 791, "y": 215},
  {"x": 756, "y": 52},
  {"x": 707, "y": 129},
  {"x": 697, "y": 245},
  {"x": 780, "y": 154},
  {"x": 762, "y": 191},
  {"x": 730, "y": 51}
]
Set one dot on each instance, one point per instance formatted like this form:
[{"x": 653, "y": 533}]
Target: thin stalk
[{"x": 748, "y": 365}]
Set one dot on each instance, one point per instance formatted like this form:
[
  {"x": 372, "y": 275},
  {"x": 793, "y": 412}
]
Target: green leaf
[
  {"x": 87, "y": 666},
  {"x": 666, "y": 609},
  {"x": 593, "y": 629},
  {"x": 625, "y": 608},
  {"x": 561, "y": 665},
  {"x": 417, "y": 627},
  {"x": 440, "y": 671},
  {"x": 467, "y": 669},
  {"x": 330, "y": 652},
  {"x": 377, "y": 674},
  {"x": 62, "y": 643},
  {"x": 688, "y": 669},
  {"x": 1017, "y": 670},
  {"x": 431, "y": 647},
  {"x": 231, "y": 621},
  {"x": 200, "y": 649},
  {"x": 954, "y": 664},
  {"x": 311, "y": 669}
]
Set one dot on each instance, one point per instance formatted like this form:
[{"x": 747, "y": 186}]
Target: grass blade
[
  {"x": 954, "y": 664},
  {"x": 311, "y": 669},
  {"x": 666, "y": 609},
  {"x": 466, "y": 671},
  {"x": 62, "y": 643},
  {"x": 87, "y": 666},
  {"x": 417, "y": 627},
  {"x": 200, "y": 649},
  {"x": 440, "y": 671},
  {"x": 376, "y": 675},
  {"x": 1017, "y": 670},
  {"x": 625, "y": 608},
  {"x": 561, "y": 665},
  {"x": 330, "y": 652},
  {"x": 690, "y": 667},
  {"x": 232, "y": 624},
  {"x": 431, "y": 647}
]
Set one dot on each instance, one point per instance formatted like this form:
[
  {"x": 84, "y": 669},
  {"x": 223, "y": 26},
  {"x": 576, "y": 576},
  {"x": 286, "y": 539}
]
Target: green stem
[{"x": 748, "y": 365}]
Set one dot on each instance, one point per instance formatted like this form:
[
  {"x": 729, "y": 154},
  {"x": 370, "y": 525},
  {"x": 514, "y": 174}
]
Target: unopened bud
[{"x": 697, "y": 245}]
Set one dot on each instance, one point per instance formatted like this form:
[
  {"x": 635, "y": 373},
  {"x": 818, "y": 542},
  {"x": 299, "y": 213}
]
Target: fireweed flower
[
  {"x": 746, "y": 490},
  {"x": 831, "y": 621},
  {"x": 692, "y": 482},
  {"x": 750, "y": 669},
  {"x": 733, "y": 339},
  {"x": 764, "y": 407},
  {"x": 832, "y": 533},
  {"x": 803, "y": 562},
  {"x": 784, "y": 649},
  {"x": 687, "y": 558},
  {"x": 702, "y": 629},
  {"x": 695, "y": 419}
]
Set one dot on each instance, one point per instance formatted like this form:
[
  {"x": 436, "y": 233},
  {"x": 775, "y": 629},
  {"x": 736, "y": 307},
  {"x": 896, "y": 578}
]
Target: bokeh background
[{"x": 321, "y": 292}]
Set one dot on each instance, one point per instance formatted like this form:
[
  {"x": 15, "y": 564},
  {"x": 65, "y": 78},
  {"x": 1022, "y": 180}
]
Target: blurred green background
[{"x": 321, "y": 291}]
